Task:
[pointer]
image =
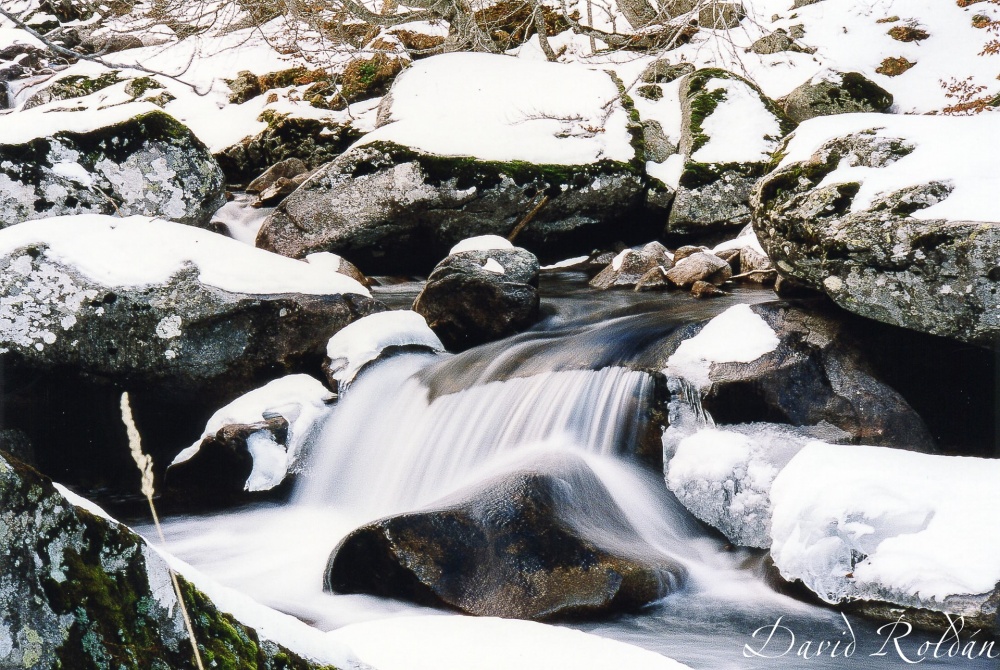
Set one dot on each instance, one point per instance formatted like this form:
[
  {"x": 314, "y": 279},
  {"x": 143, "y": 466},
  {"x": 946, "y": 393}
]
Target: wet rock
[
  {"x": 719, "y": 174},
  {"x": 473, "y": 297},
  {"x": 519, "y": 546},
  {"x": 80, "y": 590},
  {"x": 627, "y": 268},
  {"x": 701, "y": 266},
  {"x": 933, "y": 275},
  {"x": 654, "y": 280},
  {"x": 835, "y": 93},
  {"x": 147, "y": 163}
]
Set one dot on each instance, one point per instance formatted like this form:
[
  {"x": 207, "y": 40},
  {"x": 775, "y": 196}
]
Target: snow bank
[
  {"x": 481, "y": 243},
  {"x": 946, "y": 149},
  {"x": 883, "y": 524},
  {"x": 140, "y": 251},
  {"x": 503, "y": 109},
  {"x": 738, "y": 335},
  {"x": 41, "y": 122},
  {"x": 485, "y": 643},
  {"x": 300, "y": 399},
  {"x": 364, "y": 340}
]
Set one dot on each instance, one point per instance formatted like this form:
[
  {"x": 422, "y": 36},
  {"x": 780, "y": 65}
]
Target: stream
[{"x": 419, "y": 427}]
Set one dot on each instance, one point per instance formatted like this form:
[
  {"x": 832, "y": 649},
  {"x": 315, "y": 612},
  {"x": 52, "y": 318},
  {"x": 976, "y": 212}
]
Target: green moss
[
  {"x": 78, "y": 86},
  {"x": 138, "y": 87}
]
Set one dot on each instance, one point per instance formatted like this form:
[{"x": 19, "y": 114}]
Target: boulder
[
  {"x": 662, "y": 71},
  {"x": 473, "y": 297},
  {"x": 891, "y": 220},
  {"x": 729, "y": 130},
  {"x": 400, "y": 198},
  {"x": 522, "y": 545},
  {"x": 630, "y": 266},
  {"x": 704, "y": 289},
  {"x": 251, "y": 445},
  {"x": 721, "y": 15},
  {"x": 165, "y": 304},
  {"x": 831, "y": 93},
  {"x": 286, "y": 169},
  {"x": 701, "y": 266},
  {"x": 752, "y": 387},
  {"x": 81, "y": 590},
  {"x": 129, "y": 159},
  {"x": 314, "y": 141}
]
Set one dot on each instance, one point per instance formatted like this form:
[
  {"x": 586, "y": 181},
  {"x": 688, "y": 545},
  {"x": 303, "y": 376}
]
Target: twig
[
  {"x": 526, "y": 220},
  {"x": 145, "y": 465}
]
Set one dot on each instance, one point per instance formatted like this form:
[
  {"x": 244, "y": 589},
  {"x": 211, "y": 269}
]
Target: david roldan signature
[{"x": 776, "y": 641}]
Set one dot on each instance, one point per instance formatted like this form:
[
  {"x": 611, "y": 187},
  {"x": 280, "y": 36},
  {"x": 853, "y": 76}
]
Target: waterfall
[{"x": 390, "y": 446}]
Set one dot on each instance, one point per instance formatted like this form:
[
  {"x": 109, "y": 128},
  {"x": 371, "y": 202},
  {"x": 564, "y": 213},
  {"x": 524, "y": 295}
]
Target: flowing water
[{"x": 419, "y": 427}]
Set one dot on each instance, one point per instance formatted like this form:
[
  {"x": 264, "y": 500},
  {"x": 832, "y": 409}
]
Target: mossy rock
[
  {"x": 80, "y": 591},
  {"x": 367, "y": 78},
  {"x": 846, "y": 93},
  {"x": 73, "y": 86}
]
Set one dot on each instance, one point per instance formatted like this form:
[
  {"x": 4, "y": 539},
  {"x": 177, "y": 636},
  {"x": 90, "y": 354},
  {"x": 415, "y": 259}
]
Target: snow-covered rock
[
  {"x": 450, "y": 160},
  {"x": 373, "y": 337},
  {"x": 145, "y": 300},
  {"x": 729, "y": 130},
  {"x": 750, "y": 388},
  {"x": 893, "y": 217},
  {"x": 129, "y": 159},
  {"x": 474, "y": 297},
  {"x": 80, "y": 586},
  {"x": 874, "y": 524},
  {"x": 253, "y": 443}
]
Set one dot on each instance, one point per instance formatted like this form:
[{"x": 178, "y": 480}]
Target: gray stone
[
  {"x": 391, "y": 209},
  {"x": 756, "y": 267},
  {"x": 704, "y": 289},
  {"x": 773, "y": 43},
  {"x": 288, "y": 168},
  {"x": 149, "y": 164},
  {"x": 935, "y": 276},
  {"x": 658, "y": 146},
  {"x": 663, "y": 71},
  {"x": 474, "y": 297},
  {"x": 721, "y": 15},
  {"x": 701, "y": 266},
  {"x": 714, "y": 194},
  {"x": 835, "y": 93},
  {"x": 632, "y": 266}
]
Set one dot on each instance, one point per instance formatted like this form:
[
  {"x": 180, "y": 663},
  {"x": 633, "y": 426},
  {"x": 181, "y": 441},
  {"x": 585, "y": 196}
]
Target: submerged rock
[
  {"x": 541, "y": 542},
  {"x": 80, "y": 591},
  {"x": 125, "y": 160},
  {"x": 473, "y": 297},
  {"x": 855, "y": 217}
]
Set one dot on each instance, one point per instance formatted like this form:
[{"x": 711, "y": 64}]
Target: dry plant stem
[
  {"x": 145, "y": 464},
  {"x": 526, "y": 220}
]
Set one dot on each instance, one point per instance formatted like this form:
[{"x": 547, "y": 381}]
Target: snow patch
[
  {"x": 364, "y": 340},
  {"x": 492, "y": 266},
  {"x": 481, "y": 243},
  {"x": 741, "y": 129}
]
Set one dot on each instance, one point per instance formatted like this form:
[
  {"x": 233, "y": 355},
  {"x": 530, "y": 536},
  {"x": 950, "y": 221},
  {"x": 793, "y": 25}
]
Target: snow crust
[
  {"x": 737, "y": 335},
  {"x": 481, "y": 243},
  {"x": 746, "y": 238},
  {"x": 946, "y": 149},
  {"x": 503, "y": 109},
  {"x": 364, "y": 340},
  {"x": 569, "y": 262},
  {"x": 486, "y": 643},
  {"x": 741, "y": 129},
  {"x": 885, "y": 524},
  {"x": 300, "y": 399},
  {"x": 140, "y": 251}
]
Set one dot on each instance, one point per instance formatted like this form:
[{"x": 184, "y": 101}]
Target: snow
[
  {"x": 616, "y": 262},
  {"x": 946, "y": 149},
  {"x": 140, "y": 251},
  {"x": 737, "y": 335},
  {"x": 503, "y": 109},
  {"x": 481, "y": 243},
  {"x": 300, "y": 399},
  {"x": 740, "y": 129},
  {"x": 485, "y": 643},
  {"x": 723, "y": 474},
  {"x": 746, "y": 238},
  {"x": 364, "y": 340},
  {"x": 567, "y": 263},
  {"x": 492, "y": 266},
  {"x": 885, "y": 524},
  {"x": 38, "y": 122}
]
